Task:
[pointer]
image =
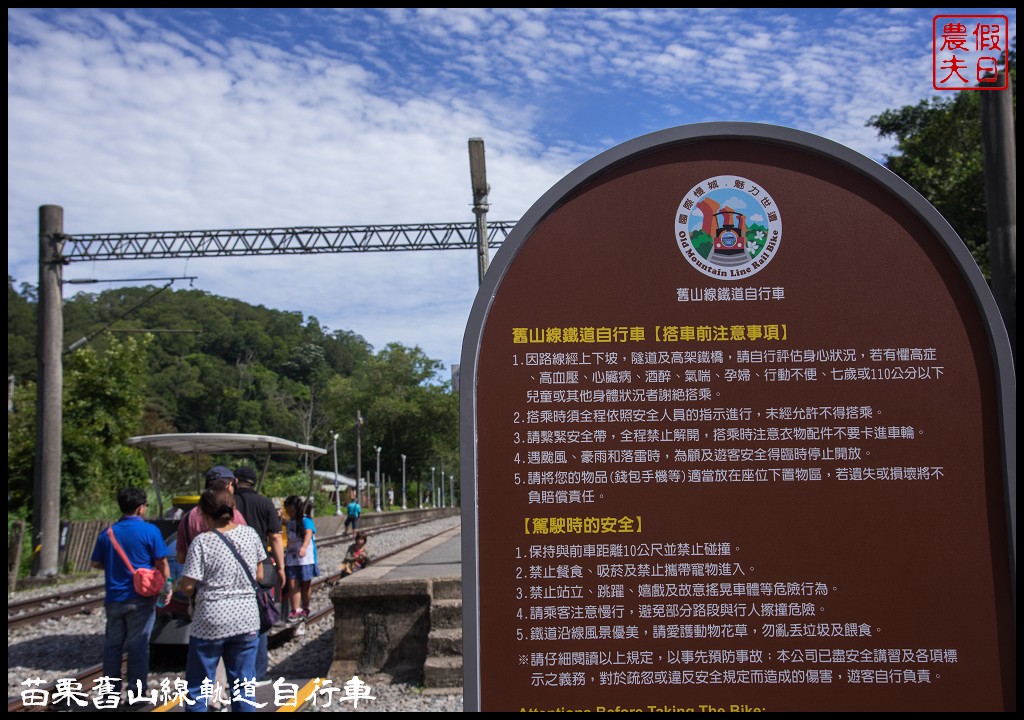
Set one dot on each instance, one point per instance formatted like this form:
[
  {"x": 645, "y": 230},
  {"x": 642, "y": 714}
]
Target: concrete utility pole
[
  {"x": 50, "y": 373},
  {"x": 478, "y": 177},
  {"x": 1000, "y": 147}
]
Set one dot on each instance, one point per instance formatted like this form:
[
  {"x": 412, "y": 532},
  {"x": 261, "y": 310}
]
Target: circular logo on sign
[{"x": 728, "y": 227}]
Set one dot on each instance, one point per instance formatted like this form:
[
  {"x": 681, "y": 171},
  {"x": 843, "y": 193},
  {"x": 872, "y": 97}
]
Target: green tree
[
  {"x": 939, "y": 153},
  {"x": 407, "y": 412},
  {"x": 346, "y": 352},
  {"x": 939, "y": 144},
  {"x": 104, "y": 395},
  {"x": 21, "y": 331},
  {"x": 221, "y": 365},
  {"x": 21, "y": 449}
]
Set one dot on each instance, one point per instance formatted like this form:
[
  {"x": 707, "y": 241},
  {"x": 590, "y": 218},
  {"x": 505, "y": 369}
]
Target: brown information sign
[{"x": 736, "y": 402}]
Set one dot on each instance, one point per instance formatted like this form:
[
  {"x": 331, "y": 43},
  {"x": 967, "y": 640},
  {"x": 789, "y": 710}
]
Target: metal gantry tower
[{"x": 91, "y": 247}]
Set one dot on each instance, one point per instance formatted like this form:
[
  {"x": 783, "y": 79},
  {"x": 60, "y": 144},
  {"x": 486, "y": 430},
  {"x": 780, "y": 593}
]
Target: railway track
[
  {"x": 18, "y": 607},
  {"x": 74, "y": 601},
  {"x": 281, "y": 634},
  {"x": 71, "y": 602}
]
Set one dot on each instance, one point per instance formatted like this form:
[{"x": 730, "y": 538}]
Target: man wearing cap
[
  {"x": 193, "y": 523},
  {"x": 261, "y": 515}
]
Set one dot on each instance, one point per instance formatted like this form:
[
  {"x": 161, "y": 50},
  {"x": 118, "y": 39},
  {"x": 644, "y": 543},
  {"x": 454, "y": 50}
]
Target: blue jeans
[
  {"x": 262, "y": 657},
  {"x": 239, "y": 653},
  {"x": 129, "y": 625}
]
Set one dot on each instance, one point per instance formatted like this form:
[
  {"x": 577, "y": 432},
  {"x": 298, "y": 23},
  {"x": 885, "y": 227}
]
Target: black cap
[{"x": 245, "y": 474}]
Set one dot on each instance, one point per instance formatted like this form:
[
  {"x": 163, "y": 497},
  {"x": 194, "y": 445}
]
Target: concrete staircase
[{"x": 443, "y": 666}]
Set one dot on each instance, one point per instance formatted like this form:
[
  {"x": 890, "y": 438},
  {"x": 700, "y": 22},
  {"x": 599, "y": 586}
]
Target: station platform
[
  {"x": 439, "y": 557},
  {"x": 402, "y": 616}
]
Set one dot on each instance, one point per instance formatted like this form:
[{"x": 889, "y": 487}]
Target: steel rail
[{"x": 19, "y": 606}]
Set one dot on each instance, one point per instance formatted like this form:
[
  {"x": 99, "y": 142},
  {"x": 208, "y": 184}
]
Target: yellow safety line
[
  {"x": 306, "y": 690},
  {"x": 168, "y": 706},
  {"x": 299, "y": 705}
]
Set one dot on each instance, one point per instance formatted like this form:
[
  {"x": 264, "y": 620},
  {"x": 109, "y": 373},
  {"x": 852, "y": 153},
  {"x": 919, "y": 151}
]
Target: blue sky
[{"x": 145, "y": 120}]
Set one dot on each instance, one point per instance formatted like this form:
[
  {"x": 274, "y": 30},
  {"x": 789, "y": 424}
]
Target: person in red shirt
[{"x": 192, "y": 523}]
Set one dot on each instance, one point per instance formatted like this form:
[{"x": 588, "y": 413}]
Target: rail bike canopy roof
[
  {"x": 196, "y": 444},
  {"x": 221, "y": 443}
]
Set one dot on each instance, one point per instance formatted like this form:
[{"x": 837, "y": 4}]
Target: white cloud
[{"x": 142, "y": 120}]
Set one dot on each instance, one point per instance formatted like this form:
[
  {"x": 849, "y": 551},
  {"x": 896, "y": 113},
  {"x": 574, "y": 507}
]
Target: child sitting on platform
[{"x": 356, "y": 558}]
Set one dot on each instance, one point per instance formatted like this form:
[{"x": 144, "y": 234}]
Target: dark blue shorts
[{"x": 302, "y": 573}]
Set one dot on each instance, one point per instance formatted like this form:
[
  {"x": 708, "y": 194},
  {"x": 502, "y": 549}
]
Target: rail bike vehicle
[{"x": 174, "y": 619}]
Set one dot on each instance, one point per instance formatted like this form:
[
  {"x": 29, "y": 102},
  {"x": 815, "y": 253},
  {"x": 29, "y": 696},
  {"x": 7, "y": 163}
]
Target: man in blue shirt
[
  {"x": 261, "y": 515},
  {"x": 130, "y": 616},
  {"x": 352, "y": 516}
]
